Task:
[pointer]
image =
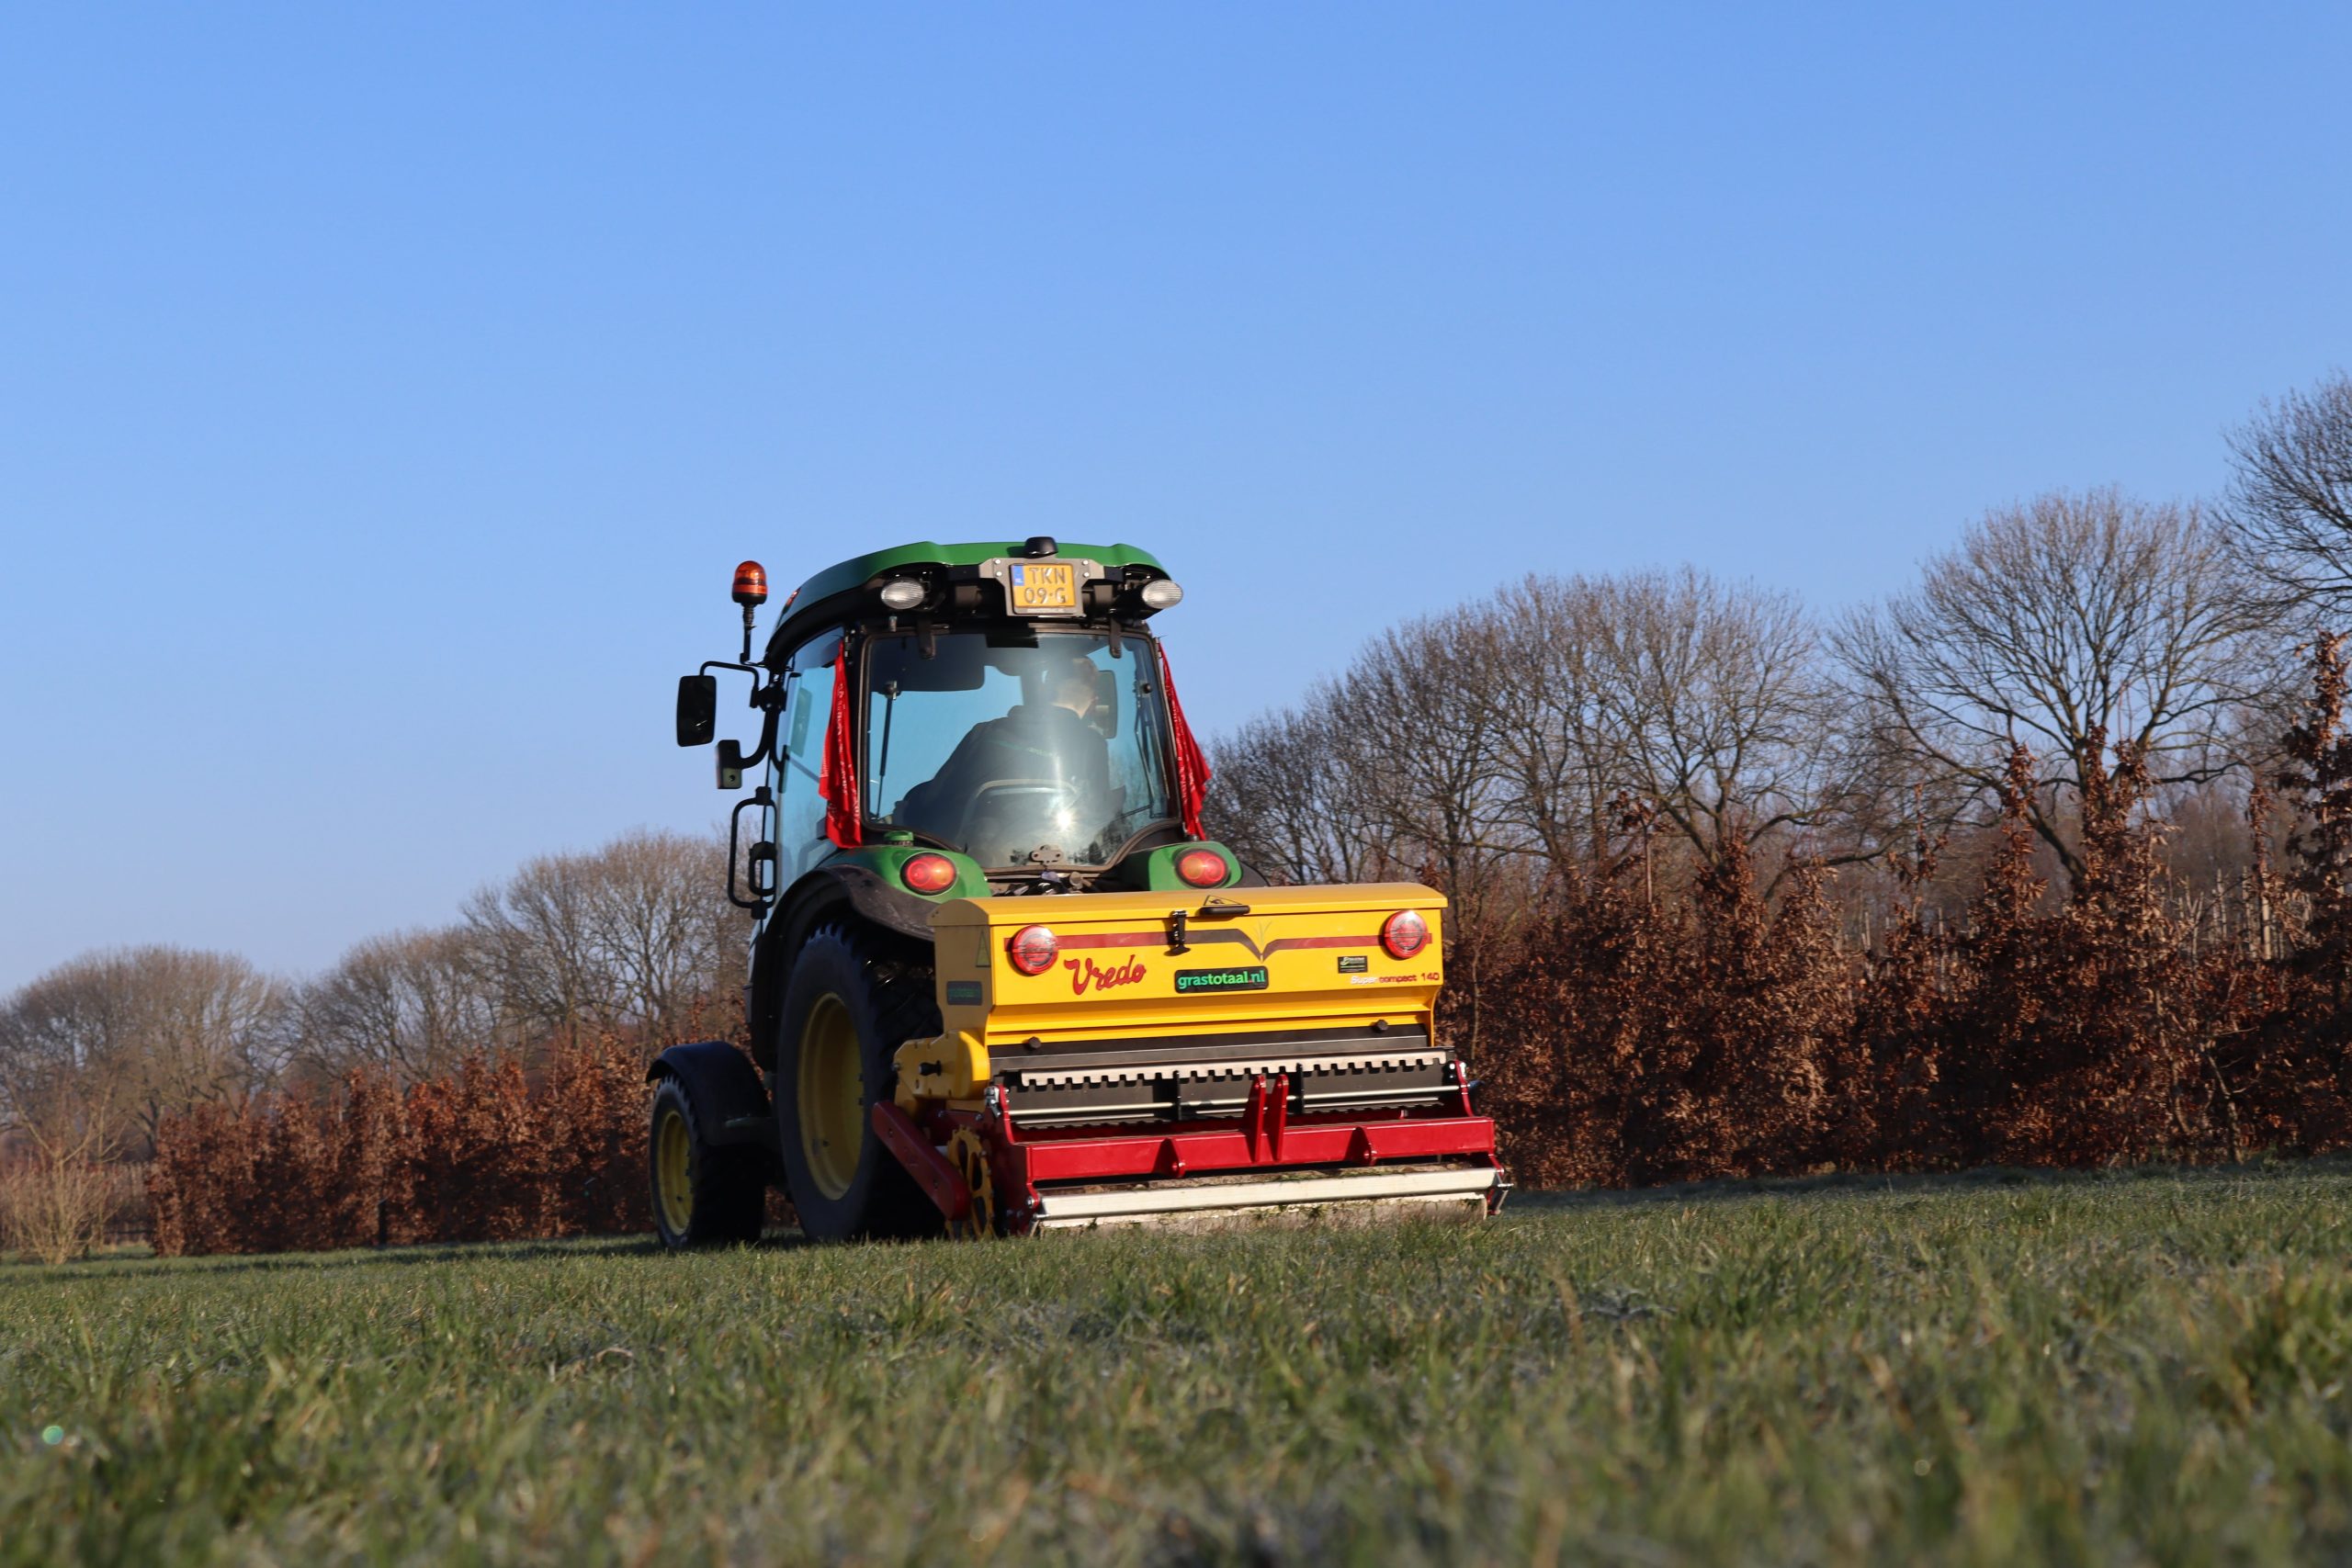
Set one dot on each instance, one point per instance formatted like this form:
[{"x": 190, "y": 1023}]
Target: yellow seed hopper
[{"x": 1127, "y": 1057}]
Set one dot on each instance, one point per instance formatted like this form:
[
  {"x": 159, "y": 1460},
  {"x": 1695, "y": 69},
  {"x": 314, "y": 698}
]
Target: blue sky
[{"x": 385, "y": 392}]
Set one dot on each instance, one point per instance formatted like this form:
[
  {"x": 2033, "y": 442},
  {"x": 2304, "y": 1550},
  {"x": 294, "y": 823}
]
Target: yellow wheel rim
[
  {"x": 970, "y": 1157},
  {"x": 833, "y": 1098},
  {"x": 673, "y": 1172}
]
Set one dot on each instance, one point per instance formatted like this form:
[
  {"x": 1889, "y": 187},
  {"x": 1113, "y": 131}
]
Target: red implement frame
[
  {"x": 940, "y": 1180},
  {"x": 1266, "y": 1137}
]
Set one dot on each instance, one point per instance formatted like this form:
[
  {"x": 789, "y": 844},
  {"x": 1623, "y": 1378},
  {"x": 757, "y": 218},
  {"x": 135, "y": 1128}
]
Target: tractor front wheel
[
  {"x": 852, "y": 1001},
  {"x": 704, "y": 1194}
]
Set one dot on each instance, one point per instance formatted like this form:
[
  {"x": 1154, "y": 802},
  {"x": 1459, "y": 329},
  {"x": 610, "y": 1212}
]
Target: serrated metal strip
[{"x": 1319, "y": 1066}]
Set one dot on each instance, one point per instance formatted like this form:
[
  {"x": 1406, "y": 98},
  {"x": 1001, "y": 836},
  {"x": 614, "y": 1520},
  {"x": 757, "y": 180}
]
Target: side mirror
[
  {"x": 731, "y": 764},
  {"x": 697, "y": 708},
  {"x": 1105, "y": 717}
]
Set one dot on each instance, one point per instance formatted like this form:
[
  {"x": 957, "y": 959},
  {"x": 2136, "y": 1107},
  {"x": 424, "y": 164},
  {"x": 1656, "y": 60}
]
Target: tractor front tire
[
  {"x": 704, "y": 1195},
  {"x": 852, "y": 1001}
]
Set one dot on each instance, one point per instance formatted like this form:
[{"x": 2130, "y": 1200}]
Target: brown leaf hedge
[
  {"x": 1628, "y": 1041},
  {"x": 488, "y": 1154},
  {"x": 1622, "y": 1039}
]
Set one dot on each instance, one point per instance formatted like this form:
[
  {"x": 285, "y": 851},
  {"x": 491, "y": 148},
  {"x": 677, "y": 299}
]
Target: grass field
[{"x": 2117, "y": 1369}]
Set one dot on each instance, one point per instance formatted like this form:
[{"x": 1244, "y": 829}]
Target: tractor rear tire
[
  {"x": 704, "y": 1195},
  {"x": 852, "y": 999}
]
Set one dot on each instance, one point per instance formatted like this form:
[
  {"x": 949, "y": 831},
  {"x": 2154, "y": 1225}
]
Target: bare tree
[
  {"x": 2290, "y": 504},
  {"x": 1706, "y": 702},
  {"x": 534, "y": 934},
  {"x": 1722, "y": 695},
  {"x": 1417, "y": 723},
  {"x": 1284, "y": 795},
  {"x": 56, "y": 1198},
  {"x": 1497, "y": 743},
  {"x": 1560, "y": 726},
  {"x": 2072, "y": 623},
  {"x": 1393, "y": 769},
  {"x": 1382, "y": 772},
  {"x": 630, "y": 934},
  {"x": 667, "y": 936},
  {"x": 410, "y": 1003},
  {"x": 141, "y": 1032}
]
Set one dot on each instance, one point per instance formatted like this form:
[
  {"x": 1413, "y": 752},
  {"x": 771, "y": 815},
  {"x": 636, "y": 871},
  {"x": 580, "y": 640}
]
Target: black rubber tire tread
[
  {"x": 730, "y": 1186},
  {"x": 886, "y": 983}
]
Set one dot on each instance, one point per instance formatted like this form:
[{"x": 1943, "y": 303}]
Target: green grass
[{"x": 2116, "y": 1370}]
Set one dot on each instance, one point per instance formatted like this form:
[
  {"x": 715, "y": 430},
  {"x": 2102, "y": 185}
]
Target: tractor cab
[{"x": 959, "y": 720}]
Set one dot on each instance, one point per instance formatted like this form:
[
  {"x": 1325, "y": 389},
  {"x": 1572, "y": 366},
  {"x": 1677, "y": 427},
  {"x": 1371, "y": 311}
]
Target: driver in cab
[{"x": 1046, "y": 748}]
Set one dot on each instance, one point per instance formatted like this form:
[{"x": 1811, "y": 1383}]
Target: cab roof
[{"x": 810, "y": 609}]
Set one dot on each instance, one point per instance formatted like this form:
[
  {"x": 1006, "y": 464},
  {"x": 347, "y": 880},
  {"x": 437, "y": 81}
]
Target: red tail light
[
  {"x": 1032, "y": 950},
  {"x": 929, "y": 873},
  {"x": 1405, "y": 934},
  {"x": 751, "y": 584},
  {"x": 1203, "y": 868}
]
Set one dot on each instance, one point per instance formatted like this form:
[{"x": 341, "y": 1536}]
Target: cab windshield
[{"x": 1018, "y": 748}]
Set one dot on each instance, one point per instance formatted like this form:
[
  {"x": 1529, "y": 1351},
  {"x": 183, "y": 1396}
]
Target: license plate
[{"x": 1038, "y": 587}]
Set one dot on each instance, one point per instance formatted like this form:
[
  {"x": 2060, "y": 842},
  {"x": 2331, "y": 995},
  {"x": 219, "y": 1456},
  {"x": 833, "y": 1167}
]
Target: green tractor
[{"x": 1000, "y": 979}]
